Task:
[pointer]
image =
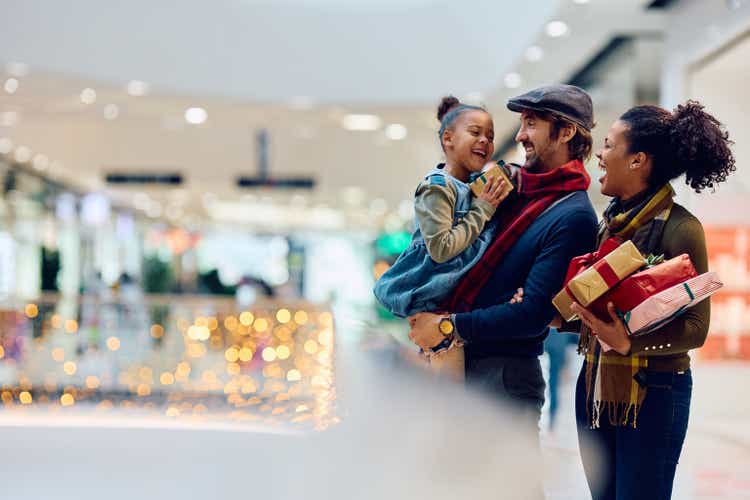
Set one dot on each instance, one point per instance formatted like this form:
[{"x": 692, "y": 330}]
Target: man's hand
[
  {"x": 425, "y": 330},
  {"x": 614, "y": 334},
  {"x": 517, "y": 297},
  {"x": 494, "y": 191}
]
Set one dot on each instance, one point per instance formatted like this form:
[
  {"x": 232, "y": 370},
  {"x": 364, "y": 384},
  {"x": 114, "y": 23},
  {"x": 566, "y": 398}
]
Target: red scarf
[{"x": 537, "y": 192}]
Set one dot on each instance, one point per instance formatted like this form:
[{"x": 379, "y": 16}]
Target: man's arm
[{"x": 574, "y": 236}]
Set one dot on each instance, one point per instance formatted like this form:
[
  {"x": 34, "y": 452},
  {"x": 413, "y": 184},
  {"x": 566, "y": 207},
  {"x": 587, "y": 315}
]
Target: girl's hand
[
  {"x": 494, "y": 191},
  {"x": 615, "y": 334}
]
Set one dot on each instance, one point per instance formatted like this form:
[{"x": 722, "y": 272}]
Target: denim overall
[{"x": 415, "y": 282}]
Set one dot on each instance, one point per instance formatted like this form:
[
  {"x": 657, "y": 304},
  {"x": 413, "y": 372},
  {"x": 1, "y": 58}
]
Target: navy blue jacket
[{"x": 537, "y": 262}]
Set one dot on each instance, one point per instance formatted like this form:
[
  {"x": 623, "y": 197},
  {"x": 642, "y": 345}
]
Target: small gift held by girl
[{"x": 453, "y": 227}]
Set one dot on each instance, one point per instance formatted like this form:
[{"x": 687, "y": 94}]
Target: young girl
[{"x": 453, "y": 227}]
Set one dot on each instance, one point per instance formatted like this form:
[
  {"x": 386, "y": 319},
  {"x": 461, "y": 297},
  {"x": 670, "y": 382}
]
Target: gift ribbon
[{"x": 607, "y": 273}]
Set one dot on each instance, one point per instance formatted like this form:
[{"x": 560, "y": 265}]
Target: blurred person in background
[
  {"x": 550, "y": 221},
  {"x": 631, "y": 427}
]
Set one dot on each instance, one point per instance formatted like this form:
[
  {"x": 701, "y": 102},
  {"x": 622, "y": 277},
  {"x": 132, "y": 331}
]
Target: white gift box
[{"x": 663, "y": 307}]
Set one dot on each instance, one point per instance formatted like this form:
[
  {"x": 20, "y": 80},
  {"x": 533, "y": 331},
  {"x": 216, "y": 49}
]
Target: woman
[{"x": 632, "y": 403}]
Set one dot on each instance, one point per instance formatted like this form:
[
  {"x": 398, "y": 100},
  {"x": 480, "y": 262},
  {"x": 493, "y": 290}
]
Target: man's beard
[{"x": 534, "y": 164}]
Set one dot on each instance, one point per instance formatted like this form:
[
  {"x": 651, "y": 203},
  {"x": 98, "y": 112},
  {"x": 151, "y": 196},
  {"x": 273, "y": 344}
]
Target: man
[{"x": 550, "y": 222}]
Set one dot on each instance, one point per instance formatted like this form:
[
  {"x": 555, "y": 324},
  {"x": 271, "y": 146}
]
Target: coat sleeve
[
  {"x": 575, "y": 235},
  {"x": 689, "y": 330},
  {"x": 434, "y": 205}
]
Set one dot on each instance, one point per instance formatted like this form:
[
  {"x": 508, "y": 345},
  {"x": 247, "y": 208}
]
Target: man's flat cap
[{"x": 568, "y": 101}]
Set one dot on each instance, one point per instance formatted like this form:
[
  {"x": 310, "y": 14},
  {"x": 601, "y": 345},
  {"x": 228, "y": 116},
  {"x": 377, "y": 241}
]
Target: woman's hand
[
  {"x": 425, "y": 329},
  {"x": 494, "y": 191},
  {"x": 614, "y": 334}
]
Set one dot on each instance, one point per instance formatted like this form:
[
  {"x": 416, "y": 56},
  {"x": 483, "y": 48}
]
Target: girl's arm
[{"x": 434, "y": 204}]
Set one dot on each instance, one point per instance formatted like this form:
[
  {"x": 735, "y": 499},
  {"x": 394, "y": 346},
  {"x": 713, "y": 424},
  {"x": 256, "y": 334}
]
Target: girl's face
[
  {"x": 620, "y": 176},
  {"x": 469, "y": 143}
]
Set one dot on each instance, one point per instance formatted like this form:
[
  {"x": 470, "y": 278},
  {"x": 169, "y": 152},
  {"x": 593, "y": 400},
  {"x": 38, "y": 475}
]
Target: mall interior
[{"x": 197, "y": 198}]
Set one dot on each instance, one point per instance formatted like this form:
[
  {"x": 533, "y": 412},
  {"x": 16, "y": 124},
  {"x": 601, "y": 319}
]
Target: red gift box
[{"x": 639, "y": 286}]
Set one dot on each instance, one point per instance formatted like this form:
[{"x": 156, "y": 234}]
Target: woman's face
[
  {"x": 615, "y": 161},
  {"x": 469, "y": 144}
]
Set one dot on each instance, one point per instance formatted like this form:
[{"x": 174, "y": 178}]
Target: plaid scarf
[
  {"x": 610, "y": 382},
  {"x": 537, "y": 192}
]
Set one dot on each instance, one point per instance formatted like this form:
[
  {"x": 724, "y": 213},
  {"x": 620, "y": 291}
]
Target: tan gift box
[
  {"x": 477, "y": 187},
  {"x": 593, "y": 282}
]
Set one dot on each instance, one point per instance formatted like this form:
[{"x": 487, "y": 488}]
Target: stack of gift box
[{"x": 647, "y": 292}]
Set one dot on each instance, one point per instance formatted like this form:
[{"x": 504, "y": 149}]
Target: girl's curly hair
[{"x": 686, "y": 141}]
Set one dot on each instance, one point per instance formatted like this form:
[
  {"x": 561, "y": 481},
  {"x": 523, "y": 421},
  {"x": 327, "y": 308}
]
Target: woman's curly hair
[{"x": 687, "y": 141}]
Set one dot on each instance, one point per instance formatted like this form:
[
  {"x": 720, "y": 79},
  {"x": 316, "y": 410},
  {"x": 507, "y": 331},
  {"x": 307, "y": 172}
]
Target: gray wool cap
[{"x": 568, "y": 101}]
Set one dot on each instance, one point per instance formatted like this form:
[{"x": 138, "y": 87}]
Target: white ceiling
[
  {"x": 340, "y": 51},
  {"x": 248, "y": 62}
]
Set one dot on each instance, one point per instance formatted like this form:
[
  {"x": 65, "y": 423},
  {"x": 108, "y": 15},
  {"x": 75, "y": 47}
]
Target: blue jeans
[{"x": 624, "y": 463}]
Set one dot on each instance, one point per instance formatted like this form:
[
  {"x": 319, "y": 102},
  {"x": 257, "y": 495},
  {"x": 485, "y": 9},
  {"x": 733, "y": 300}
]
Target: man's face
[{"x": 535, "y": 136}]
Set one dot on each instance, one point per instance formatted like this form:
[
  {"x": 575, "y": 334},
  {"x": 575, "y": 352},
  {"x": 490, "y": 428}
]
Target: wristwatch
[{"x": 446, "y": 326}]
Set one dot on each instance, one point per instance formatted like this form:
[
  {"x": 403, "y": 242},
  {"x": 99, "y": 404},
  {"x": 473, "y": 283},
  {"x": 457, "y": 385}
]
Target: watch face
[{"x": 446, "y": 326}]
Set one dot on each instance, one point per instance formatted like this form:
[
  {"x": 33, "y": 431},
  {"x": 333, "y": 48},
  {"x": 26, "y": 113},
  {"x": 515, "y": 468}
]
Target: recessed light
[
  {"x": 111, "y": 112},
  {"x": 534, "y": 53},
  {"x": 11, "y": 85},
  {"x": 512, "y": 80},
  {"x": 196, "y": 116},
  {"x": 17, "y": 69},
  {"x": 556, "y": 29},
  {"x": 473, "y": 98},
  {"x": 396, "y": 132},
  {"x": 137, "y": 88},
  {"x": 301, "y": 103},
  {"x": 360, "y": 122},
  {"x": 88, "y": 96}
]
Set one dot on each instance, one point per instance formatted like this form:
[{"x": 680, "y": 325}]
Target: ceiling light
[
  {"x": 6, "y": 145},
  {"x": 17, "y": 69},
  {"x": 396, "y": 132},
  {"x": 581, "y": 2},
  {"x": 361, "y": 122},
  {"x": 40, "y": 162},
  {"x": 137, "y": 88},
  {"x": 88, "y": 96},
  {"x": 11, "y": 85},
  {"x": 301, "y": 103},
  {"x": 22, "y": 154},
  {"x": 195, "y": 116},
  {"x": 557, "y": 29},
  {"x": 111, "y": 112},
  {"x": 534, "y": 53},
  {"x": 473, "y": 98},
  {"x": 512, "y": 80}
]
